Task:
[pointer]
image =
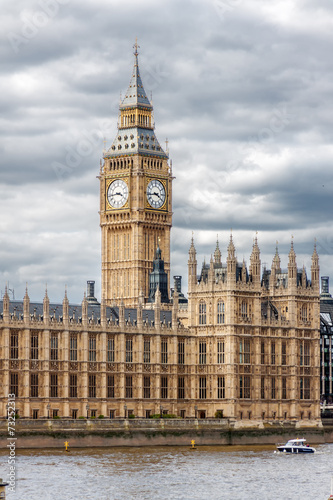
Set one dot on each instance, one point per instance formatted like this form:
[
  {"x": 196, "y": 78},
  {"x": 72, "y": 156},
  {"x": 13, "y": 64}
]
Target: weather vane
[{"x": 136, "y": 46}]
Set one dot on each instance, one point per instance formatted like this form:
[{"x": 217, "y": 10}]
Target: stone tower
[{"x": 135, "y": 200}]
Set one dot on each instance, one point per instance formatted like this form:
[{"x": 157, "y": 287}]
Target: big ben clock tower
[{"x": 135, "y": 200}]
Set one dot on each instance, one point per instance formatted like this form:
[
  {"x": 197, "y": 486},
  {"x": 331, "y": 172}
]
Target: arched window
[
  {"x": 220, "y": 312},
  {"x": 244, "y": 309},
  {"x": 304, "y": 313},
  {"x": 202, "y": 313}
]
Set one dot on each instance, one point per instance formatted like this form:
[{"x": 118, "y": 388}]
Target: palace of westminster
[{"x": 245, "y": 345}]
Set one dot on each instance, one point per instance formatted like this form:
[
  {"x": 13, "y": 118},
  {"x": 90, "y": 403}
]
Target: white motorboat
[{"x": 296, "y": 446}]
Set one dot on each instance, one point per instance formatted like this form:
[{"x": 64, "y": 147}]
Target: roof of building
[
  {"x": 136, "y": 140},
  {"x": 75, "y": 312}
]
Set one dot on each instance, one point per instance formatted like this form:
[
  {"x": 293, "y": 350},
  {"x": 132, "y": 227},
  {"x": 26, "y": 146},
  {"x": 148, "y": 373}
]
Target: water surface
[{"x": 228, "y": 473}]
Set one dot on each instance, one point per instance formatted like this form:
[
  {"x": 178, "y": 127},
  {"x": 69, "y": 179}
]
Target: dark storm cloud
[{"x": 242, "y": 90}]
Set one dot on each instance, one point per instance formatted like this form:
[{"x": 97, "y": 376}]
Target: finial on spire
[{"x": 136, "y": 46}]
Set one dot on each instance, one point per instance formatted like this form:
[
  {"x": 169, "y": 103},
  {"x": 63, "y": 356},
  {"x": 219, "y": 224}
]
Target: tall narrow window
[
  {"x": 129, "y": 350},
  {"x": 202, "y": 313},
  {"x": 220, "y": 312},
  {"x": 129, "y": 386},
  {"x": 54, "y": 347},
  {"x": 262, "y": 388},
  {"x": 110, "y": 349},
  {"x": 284, "y": 387},
  {"x": 202, "y": 388},
  {"x": 34, "y": 345},
  {"x": 53, "y": 385},
  {"x": 92, "y": 386},
  {"x": 304, "y": 313},
  {"x": 110, "y": 386},
  {"x": 146, "y": 387},
  {"x": 220, "y": 351},
  {"x": 306, "y": 354},
  {"x": 14, "y": 345},
  {"x": 164, "y": 387},
  {"x": 92, "y": 348},
  {"x": 181, "y": 387},
  {"x": 273, "y": 352},
  {"x": 244, "y": 351},
  {"x": 73, "y": 385},
  {"x": 146, "y": 350},
  {"x": 164, "y": 350},
  {"x": 262, "y": 357},
  {"x": 305, "y": 388},
  {"x": 244, "y": 387},
  {"x": 181, "y": 351},
  {"x": 244, "y": 309},
  {"x": 220, "y": 387},
  {"x": 34, "y": 385},
  {"x": 283, "y": 353},
  {"x": 273, "y": 388},
  {"x": 73, "y": 347},
  {"x": 14, "y": 384},
  {"x": 202, "y": 353}
]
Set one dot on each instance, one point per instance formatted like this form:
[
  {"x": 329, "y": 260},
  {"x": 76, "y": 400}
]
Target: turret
[
  {"x": 244, "y": 273},
  {"x": 231, "y": 263},
  {"x": 192, "y": 266},
  {"x": 315, "y": 269},
  {"x": 255, "y": 266},
  {"x": 211, "y": 272},
  {"x": 157, "y": 308},
  {"x": 103, "y": 312},
  {"x": 84, "y": 310},
  {"x": 5, "y": 305},
  {"x": 292, "y": 268},
  {"x": 175, "y": 310},
  {"x": 46, "y": 308},
  {"x": 276, "y": 268},
  {"x": 217, "y": 253},
  {"x": 65, "y": 310},
  {"x": 26, "y": 306}
]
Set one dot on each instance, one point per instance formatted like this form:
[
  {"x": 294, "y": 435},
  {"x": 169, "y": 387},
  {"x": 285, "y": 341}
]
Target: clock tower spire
[{"x": 135, "y": 199}]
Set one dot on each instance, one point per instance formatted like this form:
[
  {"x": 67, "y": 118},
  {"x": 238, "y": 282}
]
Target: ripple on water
[{"x": 171, "y": 473}]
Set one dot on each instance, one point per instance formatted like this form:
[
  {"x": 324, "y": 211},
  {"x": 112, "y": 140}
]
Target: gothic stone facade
[{"x": 250, "y": 350}]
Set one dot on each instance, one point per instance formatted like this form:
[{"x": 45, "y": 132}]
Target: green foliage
[
  {"x": 100, "y": 416},
  {"x": 91, "y": 418},
  {"x": 82, "y": 418},
  {"x": 56, "y": 417},
  {"x": 218, "y": 414},
  {"x": 131, "y": 415}
]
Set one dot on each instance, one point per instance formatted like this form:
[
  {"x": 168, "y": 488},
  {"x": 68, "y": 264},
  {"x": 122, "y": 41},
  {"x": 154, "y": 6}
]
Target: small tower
[
  {"x": 65, "y": 309},
  {"x": 217, "y": 253},
  {"x": 5, "y": 305},
  {"x": 158, "y": 279},
  {"x": 255, "y": 266},
  {"x": 46, "y": 308},
  {"x": 292, "y": 267},
  {"x": 231, "y": 263},
  {"x": 192, "y": 266},
  {"x": 26, "y": 306},
  {"x": 315, "y": 269},
  {"x": 84, "y": 310}
]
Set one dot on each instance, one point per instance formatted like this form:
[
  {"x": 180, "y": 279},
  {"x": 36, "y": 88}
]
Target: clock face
[
  {"x": 117, "y": 193},
  {"x": 155, "y": 194}
]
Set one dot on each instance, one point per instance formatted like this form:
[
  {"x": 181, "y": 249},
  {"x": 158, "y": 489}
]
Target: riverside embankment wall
[{"x": 150, "y": 432}]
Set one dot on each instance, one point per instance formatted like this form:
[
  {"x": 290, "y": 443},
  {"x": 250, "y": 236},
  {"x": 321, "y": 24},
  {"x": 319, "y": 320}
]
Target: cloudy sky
[{"x": 241, "y": 88}]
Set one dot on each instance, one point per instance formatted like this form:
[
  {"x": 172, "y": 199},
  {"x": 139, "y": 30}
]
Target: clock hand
[{"x": 156, "y": 194}]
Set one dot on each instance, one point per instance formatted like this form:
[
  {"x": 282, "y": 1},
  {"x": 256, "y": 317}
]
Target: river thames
[{"x": 207, "y": 473}]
